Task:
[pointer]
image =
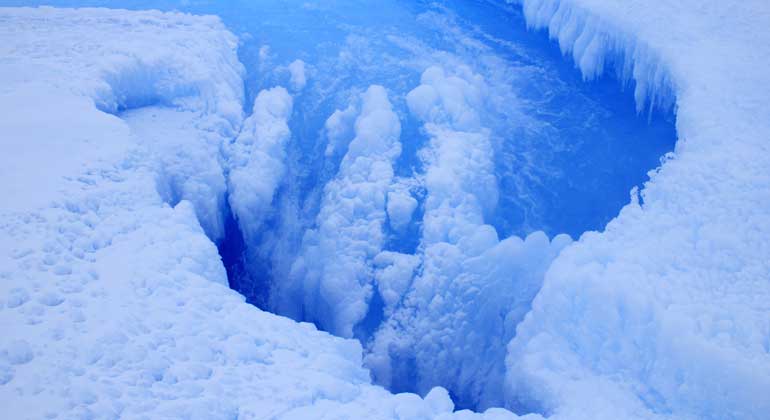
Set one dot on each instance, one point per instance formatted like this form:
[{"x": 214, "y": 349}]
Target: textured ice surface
[
  {"x": 665, "y": 313},
  {"x": 373, "y": 190},
  {"x": 114, "y": 302},
  {"x": 333, "y": 274}
]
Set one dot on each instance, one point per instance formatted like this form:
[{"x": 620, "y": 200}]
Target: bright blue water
[{"x": 567, "y": 152}]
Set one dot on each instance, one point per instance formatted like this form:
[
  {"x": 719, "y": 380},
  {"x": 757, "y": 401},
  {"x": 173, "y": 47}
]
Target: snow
[
  {"x": 184, "y": 172},
  {"x": 124, "y": 77},
  {"x": 125, "y": 146},
  {"x": 113, "y": 301}
]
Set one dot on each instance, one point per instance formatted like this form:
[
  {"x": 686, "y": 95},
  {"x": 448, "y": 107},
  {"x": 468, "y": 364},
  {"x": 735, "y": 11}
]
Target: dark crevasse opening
[
  {"x": 431, "y": 276},
  {"x": 241, "y": 276}
]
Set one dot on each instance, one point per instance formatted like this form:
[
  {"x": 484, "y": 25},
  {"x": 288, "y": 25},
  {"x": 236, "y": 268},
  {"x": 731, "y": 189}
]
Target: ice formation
[
  {"x": 665, "y": 313},
  {"x": 115, "y": 302},
  {"x": 334, "y": 271},
  {"x": 256, "y": 160},
  {"x": 298, "y": 79},
  {"x": 473, "y": 289},
  {"x": 371, "y": 188}
]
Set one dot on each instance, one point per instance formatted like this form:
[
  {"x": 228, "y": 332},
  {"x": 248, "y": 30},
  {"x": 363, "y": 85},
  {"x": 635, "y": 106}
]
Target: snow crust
[
  {"x": 665, "y": 313},
  {"x": 113, "y": 300}
]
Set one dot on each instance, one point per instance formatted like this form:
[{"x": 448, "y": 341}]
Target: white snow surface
[
  {"x": 113, "y": 301},
  {"x": 665, "y": 314}
]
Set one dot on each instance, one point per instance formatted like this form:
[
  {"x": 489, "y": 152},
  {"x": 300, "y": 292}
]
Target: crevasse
[{"x": 447, "y": 265}]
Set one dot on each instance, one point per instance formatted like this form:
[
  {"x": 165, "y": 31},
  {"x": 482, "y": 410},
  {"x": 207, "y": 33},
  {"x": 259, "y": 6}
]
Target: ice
[
  {"x": 113, "y": 300},
  {"x": 401, "y": 206},
  {"x": 596, "y": 44},
  {"x": 298, "y": 79},
  {"x": 473, "y": 289},
  {"x": 664, "y": 314},
  {"x": 394, "y": 273},
  {"x": 403, "y": 181},
  {"x": 339, "y": 129},
  {"x": 256, "y": 159},
  {"x": 333, "y": 274}
]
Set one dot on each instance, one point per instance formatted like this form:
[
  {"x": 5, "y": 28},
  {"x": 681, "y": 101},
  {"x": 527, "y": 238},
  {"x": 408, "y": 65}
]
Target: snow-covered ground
[{"x": 127, "y": 158}]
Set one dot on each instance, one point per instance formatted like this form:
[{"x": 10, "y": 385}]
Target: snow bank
[
  {"x": 460, "y": 311},
  {"x": 125, "y": 76},
  {"x": 334, "y": 272},
  {"x": 665, "y": 313},
  {"x": 114, "y": 303},
  {"x": 186, "y": 159}
]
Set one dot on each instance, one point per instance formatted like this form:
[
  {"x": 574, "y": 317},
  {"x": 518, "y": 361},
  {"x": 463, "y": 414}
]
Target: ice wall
[{"x": 597, "y": 45}]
